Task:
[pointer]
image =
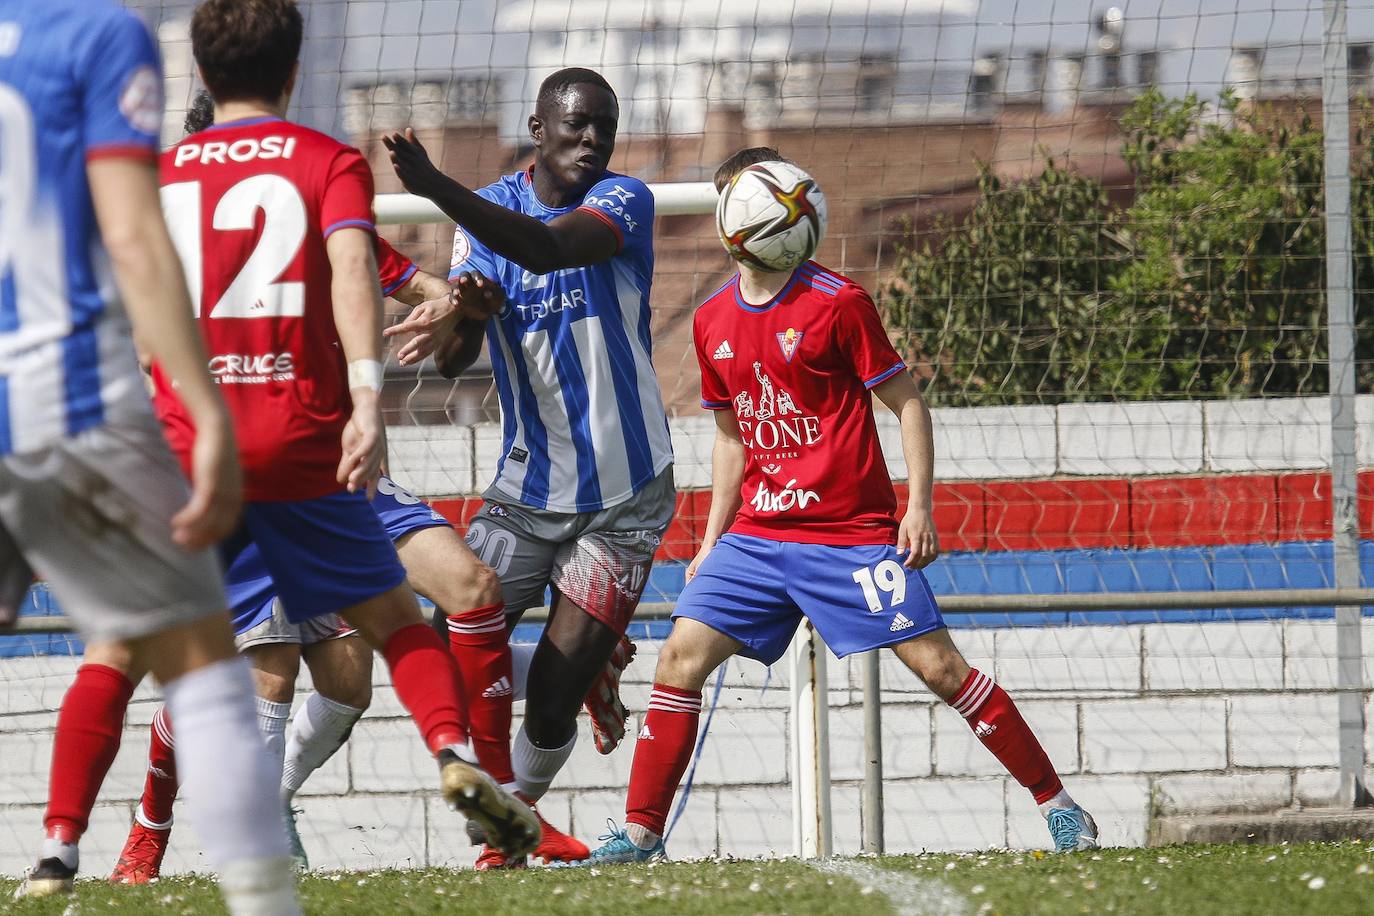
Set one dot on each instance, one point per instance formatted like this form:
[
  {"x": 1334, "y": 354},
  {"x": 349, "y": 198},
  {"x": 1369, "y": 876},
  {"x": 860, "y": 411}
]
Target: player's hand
[
  {"x": 411, "y": 162},
  {"x": 916, "y": 538},
  {"x": 430, "y": 322},
  {"x": 364, "y": 444},
  {"x": 478, "y": 297},
  {"x": 697, "y": 560},
  {"x": 212, "y": 512}
]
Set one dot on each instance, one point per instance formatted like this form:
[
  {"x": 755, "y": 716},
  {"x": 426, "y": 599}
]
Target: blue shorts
[
  {"x": 327, "y": 554},
  {"x": 756, "y": 591}
]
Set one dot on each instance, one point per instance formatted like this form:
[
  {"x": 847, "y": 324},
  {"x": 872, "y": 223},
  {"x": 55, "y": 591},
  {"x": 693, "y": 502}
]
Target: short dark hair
[
  {"x": 200, "y": 115},
  {"x": 742, "y": 160},
  {"x": 246, "y": 49},
  {"x": 555, "y": 84}
]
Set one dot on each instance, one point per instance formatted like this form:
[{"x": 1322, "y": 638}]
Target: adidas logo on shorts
[
  {"x": 499, "y": 689},
  {"x": 723, "y": 351},
  {"x": 900, "y": 622}
]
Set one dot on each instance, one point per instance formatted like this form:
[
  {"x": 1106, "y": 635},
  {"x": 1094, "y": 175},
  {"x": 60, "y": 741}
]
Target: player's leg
[
  {"x": 997, "y": 723},
  {"x": 140, "y": 861},
  {"x": 276, "y": 665},
  {"x": 332, "y": 554},
  {"x": 86, "y": 741},
  {"x": 113, "y": 567},
  {"x": 467, "y": 594},
  {"x": 599, "y": 574},
  {"x": 736, "y": 604},
  {"x": 863, "y": 598},
  {"x": 341, "y": 669}
]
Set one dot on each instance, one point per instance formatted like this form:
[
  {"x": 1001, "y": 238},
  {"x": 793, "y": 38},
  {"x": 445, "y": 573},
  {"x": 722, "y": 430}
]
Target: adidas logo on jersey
[
  {"x": 983, "y": 729},
  {"x": 723, "y": 351},
  {"x": 900, "y": 622},
  {"x": 645, "y": 734},
  {"x": 499, "y": 689}
]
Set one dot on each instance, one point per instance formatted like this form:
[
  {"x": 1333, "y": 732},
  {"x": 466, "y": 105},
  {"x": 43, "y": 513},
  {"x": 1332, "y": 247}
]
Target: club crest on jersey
[
  {"x": 462, "y": 248},
  {"x": 789, "y": 340}
]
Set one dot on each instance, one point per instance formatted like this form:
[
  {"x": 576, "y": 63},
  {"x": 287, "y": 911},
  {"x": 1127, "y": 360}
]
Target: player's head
[
  {"x": 247, "y": 50},
  {"x": 742, "y": 160},
  {"x": 573, "y": 127},
  {"x": 200, "y": 115}
]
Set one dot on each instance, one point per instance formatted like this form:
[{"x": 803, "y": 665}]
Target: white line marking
[{"x": 908, "y": 894}]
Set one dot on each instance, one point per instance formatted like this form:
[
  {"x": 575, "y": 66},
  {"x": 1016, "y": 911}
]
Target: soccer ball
[{"x": 771, "y": 216}]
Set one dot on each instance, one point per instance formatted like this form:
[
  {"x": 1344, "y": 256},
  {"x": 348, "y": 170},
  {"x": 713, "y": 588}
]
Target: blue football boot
[{"x": 1072, "y": 829}]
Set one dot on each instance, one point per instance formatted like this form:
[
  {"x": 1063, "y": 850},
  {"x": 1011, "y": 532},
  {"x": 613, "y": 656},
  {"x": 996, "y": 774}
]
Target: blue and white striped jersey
[
  {"x": 583, "y": 425},
  {"x": 78, "y": 79}
]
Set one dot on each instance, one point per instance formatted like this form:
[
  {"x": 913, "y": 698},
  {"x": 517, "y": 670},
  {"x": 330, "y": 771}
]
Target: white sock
[
  {"x": 319, "y": 728},
  {"x": 521, "y": 654},
  {"x": 641, "y": 836},
  {"x": 56, "y": 849},
  {"x": 260, "y": 888},
  {"x": 1061, "y": 800},
  {"x": 148, "y": 822},
  {"x": 272, "y": 718},
  {"x": 535, "y": 767},
  {"x": 230, "y": 786}
]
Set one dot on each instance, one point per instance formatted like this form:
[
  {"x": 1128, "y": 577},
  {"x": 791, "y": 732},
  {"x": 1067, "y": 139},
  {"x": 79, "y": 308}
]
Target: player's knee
[
  {"x": 352, "y": 691},
  {"x": 486, "y": 586},
  {"x": 943, "y": 672},
  {"x": 682, "y": 665}
]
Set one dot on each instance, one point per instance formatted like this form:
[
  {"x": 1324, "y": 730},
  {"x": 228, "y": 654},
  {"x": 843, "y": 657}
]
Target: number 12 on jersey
[
  {"x": 887, "y": 577},
  {"x": 255, "y": 291}
]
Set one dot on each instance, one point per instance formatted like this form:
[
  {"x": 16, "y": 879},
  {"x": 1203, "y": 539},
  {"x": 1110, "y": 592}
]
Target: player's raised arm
[
  {"x": 124, "y": 192},
  {"x": 573, "y": 240}
]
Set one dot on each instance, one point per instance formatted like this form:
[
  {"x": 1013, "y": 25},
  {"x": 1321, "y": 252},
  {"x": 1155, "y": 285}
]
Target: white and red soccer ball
[{"x": 771, "y": 216}]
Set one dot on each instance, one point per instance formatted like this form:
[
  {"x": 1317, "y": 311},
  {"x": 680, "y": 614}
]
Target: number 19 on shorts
[{"x": 887, "y": 578}]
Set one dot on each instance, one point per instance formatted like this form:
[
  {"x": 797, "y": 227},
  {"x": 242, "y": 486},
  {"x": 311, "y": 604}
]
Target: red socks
[
  {"x": 661, "y": 754},
  {"x": 477, "y": 639},
  {"x": 427, "y": 684},
  {"x": 85, "y": 744},
  {"x": 997, "y": 723},
  {"x": 160, "y": 790}
]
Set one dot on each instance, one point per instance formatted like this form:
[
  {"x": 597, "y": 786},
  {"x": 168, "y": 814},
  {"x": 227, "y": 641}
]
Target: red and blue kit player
[
  {"x": 273, "y": 223},
  {"x": 90, "y": 497},
  {"x": 802, "y": 525},
  {"x": 583, "y": 489}
]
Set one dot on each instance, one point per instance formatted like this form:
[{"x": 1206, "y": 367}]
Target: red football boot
[
  {"x": 603, "y": 704},
  {"x": 141, "y": 860}
]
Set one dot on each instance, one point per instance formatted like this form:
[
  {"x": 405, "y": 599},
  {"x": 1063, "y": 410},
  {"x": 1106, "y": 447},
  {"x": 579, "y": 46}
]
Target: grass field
[{"x": 1326, "y": 879}]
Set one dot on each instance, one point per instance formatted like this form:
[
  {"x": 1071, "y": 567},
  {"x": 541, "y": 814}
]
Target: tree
[{"x": 1210, "y": 284}]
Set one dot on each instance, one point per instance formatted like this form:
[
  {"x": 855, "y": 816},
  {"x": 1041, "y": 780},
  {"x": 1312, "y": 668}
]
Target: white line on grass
[{"x": 908, "y": 894}]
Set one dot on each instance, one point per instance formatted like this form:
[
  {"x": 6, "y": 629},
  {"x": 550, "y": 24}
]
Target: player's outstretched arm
[
  {"x": 422, "y": 286},
  {"x": 727, "y": 475},
  {"x": 149, "y": 276},
  {"x": 575, "y": 239},
  {"x": 450, "y": 326},
  {"x": 358, "y": 320},
  {"x": 916, "y": 534}
]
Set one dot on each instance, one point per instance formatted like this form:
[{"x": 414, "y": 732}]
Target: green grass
[{"x": 1327, "y": 879}]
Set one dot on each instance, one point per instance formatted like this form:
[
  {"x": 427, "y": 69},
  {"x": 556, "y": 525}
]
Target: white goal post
[{"x": 688, "y": 198}]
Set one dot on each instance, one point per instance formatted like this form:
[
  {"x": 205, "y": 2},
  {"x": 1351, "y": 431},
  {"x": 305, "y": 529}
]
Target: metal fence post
[
  {"x": 1341, "y": 343},
  {"x": 872, "y": 808}
]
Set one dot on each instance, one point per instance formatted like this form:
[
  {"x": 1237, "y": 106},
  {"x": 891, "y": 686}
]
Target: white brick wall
[{"x": 1169, "y": 718}]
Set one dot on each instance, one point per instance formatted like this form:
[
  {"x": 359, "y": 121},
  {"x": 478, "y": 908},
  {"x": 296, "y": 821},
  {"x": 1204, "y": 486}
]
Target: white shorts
[
  {"x": 277, "y": 630},
  {"x": 92, "y": 516}
]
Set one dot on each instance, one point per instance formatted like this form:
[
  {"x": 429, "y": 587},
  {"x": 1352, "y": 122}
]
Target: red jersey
[
  {"x": 796, "y": 371},
  {"x": 393, "y": 268},
  {"x": 250, "y": 204}
]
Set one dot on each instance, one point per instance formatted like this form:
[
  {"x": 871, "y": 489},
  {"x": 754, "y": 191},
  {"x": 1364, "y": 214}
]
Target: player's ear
[{"x": 537, "y": 130}]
